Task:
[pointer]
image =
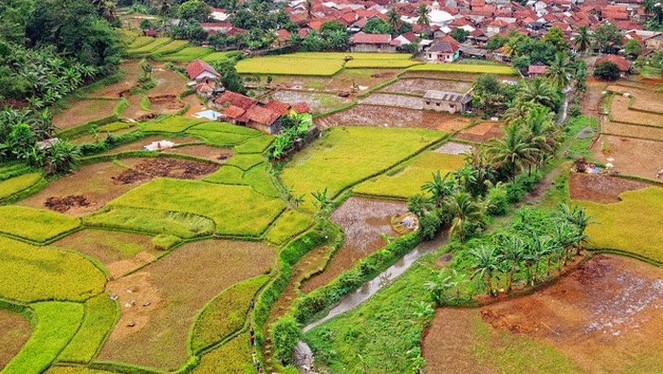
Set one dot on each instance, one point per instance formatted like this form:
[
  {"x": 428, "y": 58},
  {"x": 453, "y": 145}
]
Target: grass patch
[
  {"x": 466, "y": 68},
  {"x": 287, "y": 226},
  {"x": 226, "y": 314},
  {"x": 183, "y": 225},
  {"x": 115, "y": 126},
  {"x": 100, "y": 314},
  {"x": 29, "y": 273},
  {"x": 407, "y": 181},
  {"x": 217, "y": 56},
  {"x": 579, "y": 147},
  {"x": 317, "y": 64},
  {"x": 140, "y": 42},
  {"x": 147, "y": 49},
  {"x": 165, "y": 241},
  {"x": 382, "y": 331},
  {"x": 15, "y": 185},
  {"x": 232, "y": 357},
  {"x": 245, "y": 161},
  {"x": 236, "y": 210},
  {"x": 172, "y": 47},
  {"x": 185, "y": 55},
  {"x": 35, "y": 224},
  {"x": 259, "y": 179},
  {"x": 634, "y": 224},
  {"x": 172, "y": 124},
  {"x": 345, "y": 156},
  {"x": 226, "y": 175},
  {"x": 256, "y": 144},
  {"x": 57, "y": 324}
]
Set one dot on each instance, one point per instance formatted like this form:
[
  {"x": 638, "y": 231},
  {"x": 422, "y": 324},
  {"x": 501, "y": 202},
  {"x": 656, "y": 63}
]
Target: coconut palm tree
[
  {"x": 538, "y": 91},
  {"x": 560, "y": 70},
  {"x": 513, "y": 151},
  {"x": 485, "y": 264},
  {"x": 393, "y": 19},
  {"x": 513, "y": 253},
  {"x": 517, "y": 111},
  {"x": 541, "y": 131},
  {"x": 467, "y": 214},
  {"x": 584, "y": 38},
  {"x": 439, "y": 188},
  {"x": 423, "y": 17}
]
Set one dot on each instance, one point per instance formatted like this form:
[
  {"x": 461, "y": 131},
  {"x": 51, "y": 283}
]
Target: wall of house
[
  {"x": 444, "y": 106},
  {"x": 386, "y": 48},
  {"x": 441, "y": 57},
  {"x": 206, "y": 77}
]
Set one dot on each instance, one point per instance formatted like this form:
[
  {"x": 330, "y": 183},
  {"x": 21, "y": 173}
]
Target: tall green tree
[
  {"x": 560, "y": 70},
  {"x": 584, "y": 39}
]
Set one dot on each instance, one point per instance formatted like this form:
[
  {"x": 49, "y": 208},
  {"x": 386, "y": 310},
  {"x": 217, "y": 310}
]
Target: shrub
[
  {"x": 607, "y": 70},
  {"x": 498, "y": 200},
  {"x": 285, "y": 333}
]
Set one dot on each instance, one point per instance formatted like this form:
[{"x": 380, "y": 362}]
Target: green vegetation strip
[
  {"x": 35, "y": 225},
  {"x": 226, "y": 314},
  {"x": 100, "y": 315},
  {"x": 29, "y": 274},
  {"x": 57, "y": 323},
  {"x": 466, "y": 68}
]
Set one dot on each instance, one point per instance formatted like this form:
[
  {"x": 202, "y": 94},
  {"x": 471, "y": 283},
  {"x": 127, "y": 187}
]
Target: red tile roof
[
  {"x": 233, "y": 112},
  {"x": 197, "y": 67},
  {"x": 262, "y": 115},
  {"x": 445, "y": 45},
  {"x": 235, "y": 99},
  {"x": 622, "y": 63},
  {"x": 278, "y": 107},
  {"x": 536, "y": 69},
  {"x": 302, "y": 107}
]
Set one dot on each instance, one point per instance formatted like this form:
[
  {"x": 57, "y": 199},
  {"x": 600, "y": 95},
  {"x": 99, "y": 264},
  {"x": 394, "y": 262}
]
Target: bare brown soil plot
[
  {"x": 482, "y": 132},
  {"x": 92, "y": 181},
  {"x": 630, "y": 156},
  {"x": 318, "y": 102},
  {"x": 14, "y": 332},
  {"x": 620, "y": 112},
  {"x": 635, "y": 131},
  {"x": 593, "y": 97},
  {"x": 206, "y": 151},
  {"x": 604, "y": 315},
  {"x": 132, "y": 70},
  {"x": 363, "y": 221},
  {"x": 460, "y": 77},
  {"x": 164, "y": 167},
  {"x": 394, "y": 100},
  {"x": 419, "y": 86},
  {"x": 160, "y": 301},
  {"x": 380, "y": 116},
  {"x": 344, "y": 81},
  {"x": 84, "y": 111},
  {"x": 600, "y": 188},
  {"x": 166, "y": 104},
  {"x": 194, "y": 104},
  {"x": 138, "y": 146},
  {"x": 120, "y": 252},
  {"x": 169, "y": 83},
  {"x": 134, "y": 111}
]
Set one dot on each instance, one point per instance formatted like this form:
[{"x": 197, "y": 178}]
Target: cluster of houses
[
  {"x": 235, "y": 108},
  {"x": 481, "y": 19}
]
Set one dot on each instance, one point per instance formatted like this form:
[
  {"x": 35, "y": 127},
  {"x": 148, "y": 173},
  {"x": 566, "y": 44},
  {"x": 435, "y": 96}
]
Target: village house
[
  {"x": 443, "y": 50},
  {"x": 263, "y": 116},
  {"x": 201, "y": 72},
  {"x": 443, "y": 101},
  {"x": 623, "y": 64},
  {"x": 536, "y": 70},
  {"x": 362, "y": 42}
]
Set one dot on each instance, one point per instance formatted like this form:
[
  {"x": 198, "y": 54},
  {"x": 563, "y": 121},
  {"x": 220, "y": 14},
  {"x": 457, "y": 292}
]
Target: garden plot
[
  {"x": 84, "y": 111},
  {"x": 603, "y": 317},
  {"x": 381, "y": 116},
  {"x": 646, "y": 100},
  {"x": 343, "y": 157},
  {"x": 159, "y": 307},
  {"x": 15, "y": 332},
  {"x": 620, "y": 225},
  {"x": 620, "y": 112},
  {"x": 406, "y": 180},
  {"x": 132, "y": 70},
  {"x": 108, "y": 180},
  {"x": 318, "y": 102},
  {"x": 236, "y": 210},
  {"x": 394, "y": 100},
  {"x": 630, "y": 156},
  {"x": 482, "y": 132},
  {"x": 601, "y": 188},
  {"x": 363, "y": 221},
  {"x": 633, "y": 131},
  {"x": 349, "y": 80},
  {"x": 419, "y": 86},
  {"x": 120, "y": 252}
]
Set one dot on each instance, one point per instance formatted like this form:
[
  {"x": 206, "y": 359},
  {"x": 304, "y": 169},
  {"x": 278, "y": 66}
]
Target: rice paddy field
[{"x": 464, "y": 68}]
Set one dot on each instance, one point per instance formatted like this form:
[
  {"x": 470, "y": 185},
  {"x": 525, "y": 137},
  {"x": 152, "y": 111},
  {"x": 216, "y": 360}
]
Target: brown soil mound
[
  {"x": 164, "y": 167},
  {"x": 386, "y": 74},
  {"x": 63, "y": 204},
  {"x": 600, "y": 188}
]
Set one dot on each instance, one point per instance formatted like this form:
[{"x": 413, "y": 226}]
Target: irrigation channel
[{"x": 302, "y": 353}]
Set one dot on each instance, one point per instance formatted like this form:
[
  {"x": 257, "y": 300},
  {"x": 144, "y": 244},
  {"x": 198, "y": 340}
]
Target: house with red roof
[
  {"x": 536, "y": 70},
  {"x": 623, "y": 64},
  {"x": 443, "y": 50},
  {"x": 200, "y": 71},
  {"x": 362, "y": 42}
]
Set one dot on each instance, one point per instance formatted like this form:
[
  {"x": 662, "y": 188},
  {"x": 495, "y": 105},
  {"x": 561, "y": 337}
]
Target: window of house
[
  {"x": 427, "y": 102},
  {"x": 438, "y": 104}
]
